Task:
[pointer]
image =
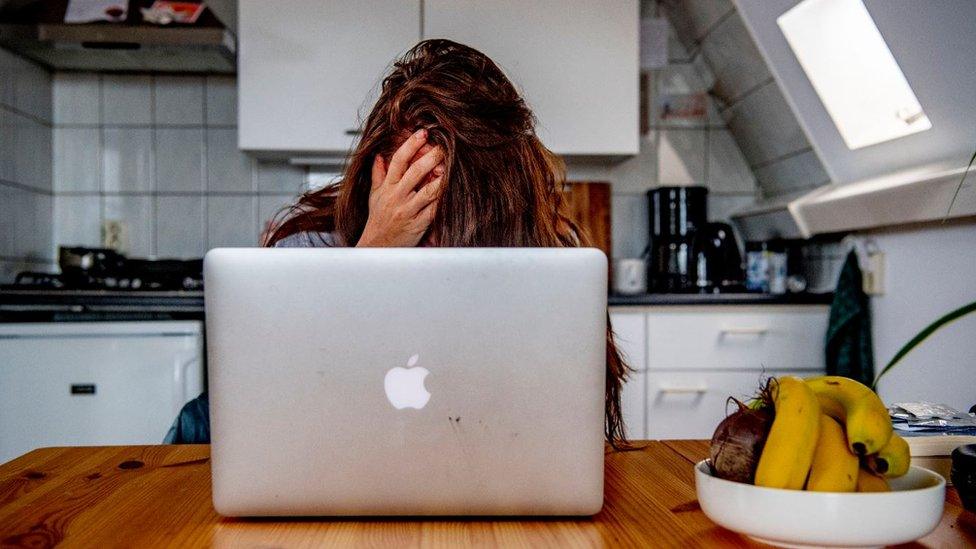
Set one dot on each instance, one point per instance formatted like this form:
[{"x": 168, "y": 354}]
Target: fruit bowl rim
[{"x": 704, "y": 468}]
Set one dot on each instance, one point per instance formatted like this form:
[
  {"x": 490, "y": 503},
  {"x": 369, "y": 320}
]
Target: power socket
[
  {"x": 114, "y": 235},
  {"x": 874, "y": 275}
]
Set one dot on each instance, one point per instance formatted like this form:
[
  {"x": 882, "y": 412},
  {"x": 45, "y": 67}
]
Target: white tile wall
[
  {"x": 727, "y": 169},
  {"x": 158, "y": 153},
  {"x": 77, "y": 159},
  {"x": 178, "y": 100},
  {"x": 127, "y": 159},
  {"x": 76, "y": 98},
  {"x": 231, "y": 221},
  {"x": 126, "y": 99},
  {"x": 681, "y": 157},
  {"x": 136, "y": 214},
  {"x": 25, "y": 166},
  {"x": 228, "y": 169},
  {"x": 180, "y": 226},
  {"x": 77, "y": 220},
  {"x": 180, "y": 154},
  {"x": 221, "y": 101}
]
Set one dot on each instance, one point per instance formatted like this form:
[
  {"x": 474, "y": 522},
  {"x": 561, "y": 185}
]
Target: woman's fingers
[
  {"x": 429, "y": 193},
  {"x": 401, "y": 158},
  {"x": 379, "y": 171},
  {"x": 420, "y": 169}
]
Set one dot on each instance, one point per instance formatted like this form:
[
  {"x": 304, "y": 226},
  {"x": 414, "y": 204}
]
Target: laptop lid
[{"x": 424, "y": 381}]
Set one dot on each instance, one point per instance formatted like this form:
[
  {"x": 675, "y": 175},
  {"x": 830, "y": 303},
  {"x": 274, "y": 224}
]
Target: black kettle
[{"x": 718, "y": 262}]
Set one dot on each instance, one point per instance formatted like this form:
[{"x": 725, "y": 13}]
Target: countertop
[
  {"x": 159, "y": 496},
  {"x": 720, "y": 299}
]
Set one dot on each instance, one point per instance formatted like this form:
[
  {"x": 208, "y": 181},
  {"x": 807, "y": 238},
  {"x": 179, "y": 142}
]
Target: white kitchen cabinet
[
  {"x": 95, "y": 383},
  {"x": 777, "y": 337},
  {"x": 690, "y": 359},
  {"x": 576, "y": 62},
  {"x": 629, "y": 333},
  {"x": 308, "y": 70},
  {"x": 690, "y": 404}
]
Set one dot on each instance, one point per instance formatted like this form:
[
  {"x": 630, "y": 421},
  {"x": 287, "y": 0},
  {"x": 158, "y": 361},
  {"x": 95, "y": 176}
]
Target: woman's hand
[{"x": 399, "y": 212}]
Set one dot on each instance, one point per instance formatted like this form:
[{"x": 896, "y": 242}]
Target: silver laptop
[{"x": 406, "y": 381}]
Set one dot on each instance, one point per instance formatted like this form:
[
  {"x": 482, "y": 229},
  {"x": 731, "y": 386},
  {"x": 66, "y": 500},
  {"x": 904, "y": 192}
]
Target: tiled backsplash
[
  {"x": 674, "y": 152},
  {"x": 748, "y": 98},
  {"x": 25, "y": 166},
  {"x": 158, "y": 154}
]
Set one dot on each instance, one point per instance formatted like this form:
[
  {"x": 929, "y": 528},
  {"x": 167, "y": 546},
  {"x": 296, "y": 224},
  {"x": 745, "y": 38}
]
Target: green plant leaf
[
  {"x": 959, "y": 187},
  {"x": 922, "y": 336}
]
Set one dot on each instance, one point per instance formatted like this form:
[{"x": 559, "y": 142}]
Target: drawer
[
  {"x": 736, "y": 337},
  {"x": 691, "y": 404}
]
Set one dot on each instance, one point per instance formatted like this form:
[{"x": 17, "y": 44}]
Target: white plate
[{"x": 795, "y": 518}]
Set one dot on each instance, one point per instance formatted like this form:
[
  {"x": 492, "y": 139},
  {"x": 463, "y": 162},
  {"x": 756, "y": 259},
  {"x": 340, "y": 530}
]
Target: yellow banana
[
  {"x": 892, "y": 460},
  {"x": 858, "y": 408},
  {"x": 834, "y": 467},
  {"x": 868, "y": 482},
  {"x": 788, "y": 452}
]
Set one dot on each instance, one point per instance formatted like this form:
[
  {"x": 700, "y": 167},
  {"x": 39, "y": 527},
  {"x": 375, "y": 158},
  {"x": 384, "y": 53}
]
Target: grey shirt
[{"x": 310, "y": 239}]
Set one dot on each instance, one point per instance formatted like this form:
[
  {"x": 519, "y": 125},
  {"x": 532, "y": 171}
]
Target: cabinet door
[
  {"x": 309, "y": 71},
  {"x": 576, "y": 62},
  {"x": 94, "y": 388},
  {"x": 690, "y": 404},
  {"x": 628, "y": 329}
]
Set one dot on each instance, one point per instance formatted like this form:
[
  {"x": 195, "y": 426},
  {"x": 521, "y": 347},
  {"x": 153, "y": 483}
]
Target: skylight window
[{"x": 853, "y": 71}]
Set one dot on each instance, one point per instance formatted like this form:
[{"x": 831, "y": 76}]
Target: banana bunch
[{"x": 829, "y": 434}]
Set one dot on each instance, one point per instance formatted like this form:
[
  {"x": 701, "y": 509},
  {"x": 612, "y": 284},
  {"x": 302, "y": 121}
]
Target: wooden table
[{"x": 140, "y": 496}]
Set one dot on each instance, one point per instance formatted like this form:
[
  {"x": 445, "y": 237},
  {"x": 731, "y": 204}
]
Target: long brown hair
[{"x": 502, "y": 186}]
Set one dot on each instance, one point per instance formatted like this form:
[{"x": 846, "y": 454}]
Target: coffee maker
[{"x": 687, "y": 253}]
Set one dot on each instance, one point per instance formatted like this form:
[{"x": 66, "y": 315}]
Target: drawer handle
[
  {"x": 745, "y": 330},
  {"x": 683, "y": 390}
]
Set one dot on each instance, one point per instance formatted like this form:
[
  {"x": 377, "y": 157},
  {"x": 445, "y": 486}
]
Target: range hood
[
  {"x": 36, "y": 30},
  {"x": 914, "y": 195}
]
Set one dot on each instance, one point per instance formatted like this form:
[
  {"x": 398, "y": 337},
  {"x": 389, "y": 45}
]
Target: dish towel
[{"x": 849, "y": 349}]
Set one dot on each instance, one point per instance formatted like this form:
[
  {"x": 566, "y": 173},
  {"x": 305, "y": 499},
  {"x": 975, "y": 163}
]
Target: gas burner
[{"x": 102, "y": 269}]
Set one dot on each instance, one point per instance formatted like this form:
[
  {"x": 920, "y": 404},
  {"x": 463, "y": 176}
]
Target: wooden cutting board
[{"x": 588, "y": 204}]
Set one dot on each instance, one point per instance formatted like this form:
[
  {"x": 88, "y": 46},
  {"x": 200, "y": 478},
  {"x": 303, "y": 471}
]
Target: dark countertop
[
  {"x": 720, "y": 299},
  {"x": 75, "y": 305}
]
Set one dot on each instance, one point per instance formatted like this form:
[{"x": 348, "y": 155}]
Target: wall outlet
[
  {"x": 113, "y": 235},
  {"x": 874, "y": 274}
]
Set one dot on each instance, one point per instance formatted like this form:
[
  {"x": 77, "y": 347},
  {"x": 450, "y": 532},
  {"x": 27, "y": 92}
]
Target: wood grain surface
[{"x": 159, "y": 496}]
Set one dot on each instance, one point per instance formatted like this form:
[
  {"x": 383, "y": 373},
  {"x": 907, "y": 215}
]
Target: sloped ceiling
[{"x": 749, "y": 99}]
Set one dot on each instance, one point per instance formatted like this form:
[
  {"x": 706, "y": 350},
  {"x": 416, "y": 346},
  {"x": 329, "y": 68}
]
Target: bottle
[
  {"x": 757, "y": 267},
  {"x": 776, "y": 251}
]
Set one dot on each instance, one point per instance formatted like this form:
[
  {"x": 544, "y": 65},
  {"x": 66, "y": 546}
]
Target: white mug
[{"x": 630, "y": 276}]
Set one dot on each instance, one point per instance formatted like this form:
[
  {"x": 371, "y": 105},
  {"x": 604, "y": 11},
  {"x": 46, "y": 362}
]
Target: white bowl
[{"x": 795, "y": 518}]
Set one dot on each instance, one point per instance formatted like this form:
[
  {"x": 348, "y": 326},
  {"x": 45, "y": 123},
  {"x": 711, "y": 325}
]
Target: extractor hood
[
  {"x": 36, "y": 30},
  {"x": 907, "y": 196}
]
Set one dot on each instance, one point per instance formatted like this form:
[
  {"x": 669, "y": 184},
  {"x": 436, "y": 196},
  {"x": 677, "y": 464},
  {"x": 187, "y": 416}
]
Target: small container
[
  {"x": 630, "y": 276},
  {"x": 776, "y": 251},
  {"x": 963, "y": 475},
  {"x": 757, "y": 267}
]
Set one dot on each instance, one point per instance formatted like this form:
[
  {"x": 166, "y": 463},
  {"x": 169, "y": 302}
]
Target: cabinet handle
[
  {"x": 683, "y": 390},
  {"x": 745, "y": 330},
  {"x": 354, "y": 131}
]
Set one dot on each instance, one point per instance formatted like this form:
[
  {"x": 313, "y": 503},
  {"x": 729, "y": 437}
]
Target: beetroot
[{"x": 738, "y": 442}]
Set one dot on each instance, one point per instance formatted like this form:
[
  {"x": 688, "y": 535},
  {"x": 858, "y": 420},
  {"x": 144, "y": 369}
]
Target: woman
[{"x": 448, "y": 157}]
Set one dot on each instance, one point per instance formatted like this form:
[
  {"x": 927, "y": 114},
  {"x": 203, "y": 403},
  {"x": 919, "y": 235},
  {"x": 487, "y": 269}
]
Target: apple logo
[{"x": 405, "y": 386}]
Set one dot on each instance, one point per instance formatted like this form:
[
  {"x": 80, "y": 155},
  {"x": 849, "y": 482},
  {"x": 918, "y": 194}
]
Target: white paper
[{"x": 87, "y": 11}]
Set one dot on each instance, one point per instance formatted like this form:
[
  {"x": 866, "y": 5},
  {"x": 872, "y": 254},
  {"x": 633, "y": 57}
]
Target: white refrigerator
[{"x": 95, "y": 383}]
